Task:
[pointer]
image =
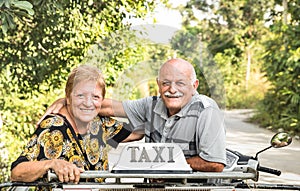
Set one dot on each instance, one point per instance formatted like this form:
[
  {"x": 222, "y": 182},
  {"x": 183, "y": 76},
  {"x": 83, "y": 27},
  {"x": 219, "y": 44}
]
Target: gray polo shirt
[{"x": 198, "y": 128}]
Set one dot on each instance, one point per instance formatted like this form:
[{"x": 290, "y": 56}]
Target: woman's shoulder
[{"x": 52, "y": 120}]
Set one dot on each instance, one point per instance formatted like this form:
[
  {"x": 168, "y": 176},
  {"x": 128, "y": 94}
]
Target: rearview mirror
[{"x": 281, "y": 140}]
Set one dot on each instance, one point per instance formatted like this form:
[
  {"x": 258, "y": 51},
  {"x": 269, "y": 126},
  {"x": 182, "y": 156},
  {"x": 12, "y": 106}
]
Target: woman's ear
[{"x": 67, "y": 101}]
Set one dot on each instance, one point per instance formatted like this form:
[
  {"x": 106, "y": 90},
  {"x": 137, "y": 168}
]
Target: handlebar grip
[{"x": 269, "y": 170}]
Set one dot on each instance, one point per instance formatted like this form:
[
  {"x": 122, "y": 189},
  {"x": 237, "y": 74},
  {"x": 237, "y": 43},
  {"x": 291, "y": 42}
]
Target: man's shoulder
[
  {"x": 141, "y": 100},
  {"x": 204, "y": 101}
]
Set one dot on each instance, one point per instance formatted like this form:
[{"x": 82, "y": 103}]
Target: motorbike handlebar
[{"x": 269, "y": 170}]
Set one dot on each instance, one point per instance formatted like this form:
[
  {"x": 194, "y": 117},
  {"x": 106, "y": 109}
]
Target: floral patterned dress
[{"x": 56, "y": 139}]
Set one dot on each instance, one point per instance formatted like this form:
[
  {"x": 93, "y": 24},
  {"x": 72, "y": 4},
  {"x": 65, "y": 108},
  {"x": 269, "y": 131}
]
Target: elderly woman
[{"x": 74, "y": 139}]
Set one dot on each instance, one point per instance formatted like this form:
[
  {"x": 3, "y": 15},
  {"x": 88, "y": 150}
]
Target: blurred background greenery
[{"x": 246, "y": 54}]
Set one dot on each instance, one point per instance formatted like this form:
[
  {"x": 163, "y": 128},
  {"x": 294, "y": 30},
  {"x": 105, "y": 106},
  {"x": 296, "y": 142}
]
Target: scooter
[
  {"x": 239, "y": 162},
  {"x": 139, "y": 165}
]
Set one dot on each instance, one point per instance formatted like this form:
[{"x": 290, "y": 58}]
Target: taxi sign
[{"x": 156, "y": 158}]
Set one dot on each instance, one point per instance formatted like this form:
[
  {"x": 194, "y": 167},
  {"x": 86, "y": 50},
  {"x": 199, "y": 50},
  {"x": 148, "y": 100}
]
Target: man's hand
[
  {"x": 197, "y": 163},
  {"x": 54, "y": 108}
]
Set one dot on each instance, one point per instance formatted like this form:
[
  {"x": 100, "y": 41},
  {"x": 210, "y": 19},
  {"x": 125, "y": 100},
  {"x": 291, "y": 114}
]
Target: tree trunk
[{"x": 248, "y": 67}]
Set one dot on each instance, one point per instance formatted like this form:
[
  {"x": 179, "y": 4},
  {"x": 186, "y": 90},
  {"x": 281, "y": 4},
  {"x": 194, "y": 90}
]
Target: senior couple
[{"x": 75, "y": 133}]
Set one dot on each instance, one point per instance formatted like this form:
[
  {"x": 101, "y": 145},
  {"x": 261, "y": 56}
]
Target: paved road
[{"x": 248, "y": 138}]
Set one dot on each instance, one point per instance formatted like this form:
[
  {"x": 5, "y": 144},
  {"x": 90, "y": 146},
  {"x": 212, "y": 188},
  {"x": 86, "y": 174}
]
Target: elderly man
[{"x": 179, "y": 115}]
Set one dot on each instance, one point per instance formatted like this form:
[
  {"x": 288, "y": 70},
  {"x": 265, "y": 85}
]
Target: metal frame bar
[{"x": 195, "y": 175}]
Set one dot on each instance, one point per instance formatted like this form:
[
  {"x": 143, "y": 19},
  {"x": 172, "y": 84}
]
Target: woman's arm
[{"x": 32, "y": 170}]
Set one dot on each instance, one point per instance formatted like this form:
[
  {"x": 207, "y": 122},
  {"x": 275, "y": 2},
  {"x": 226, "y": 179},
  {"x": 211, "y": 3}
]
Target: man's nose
[{"x": 173, "y": 87}]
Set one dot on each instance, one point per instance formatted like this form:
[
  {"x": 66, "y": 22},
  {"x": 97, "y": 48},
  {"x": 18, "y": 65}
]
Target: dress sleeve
[
  {"x": 33, "y": 150},
  {"x": 115, "y": 131}
]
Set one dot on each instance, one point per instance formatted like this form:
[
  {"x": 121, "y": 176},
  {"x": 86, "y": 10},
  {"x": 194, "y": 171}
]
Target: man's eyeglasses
[{"x": 179, "y": 84}]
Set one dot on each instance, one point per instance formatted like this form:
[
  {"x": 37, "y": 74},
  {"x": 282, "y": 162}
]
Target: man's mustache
[{"x": 170, "y": 95}]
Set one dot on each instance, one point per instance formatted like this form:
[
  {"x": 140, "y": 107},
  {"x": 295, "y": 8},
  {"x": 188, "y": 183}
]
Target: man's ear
[
  {"x": 157, "y": 81},
  {"x": 195, "y": 85}
]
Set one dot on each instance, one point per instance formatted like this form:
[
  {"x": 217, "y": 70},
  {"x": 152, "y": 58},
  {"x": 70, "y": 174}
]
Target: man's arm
[
  {"x": 211, "y": 139},
  {"x": 112, "y": 108},
  {"x": 109, "y": 108},
  {"x": 134, "y": 136},
  {"x": 197, "y": 163},
  {"x": 54, "y": 108}
]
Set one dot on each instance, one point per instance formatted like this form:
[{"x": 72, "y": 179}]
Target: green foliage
[
  {"x": 11, "y": 10},
  {"x": 20, "y": 113},
  {"x": 281, "y": 107},
  {"x": 59, "y": 35},
  {"x": 236, "y": 49}
]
